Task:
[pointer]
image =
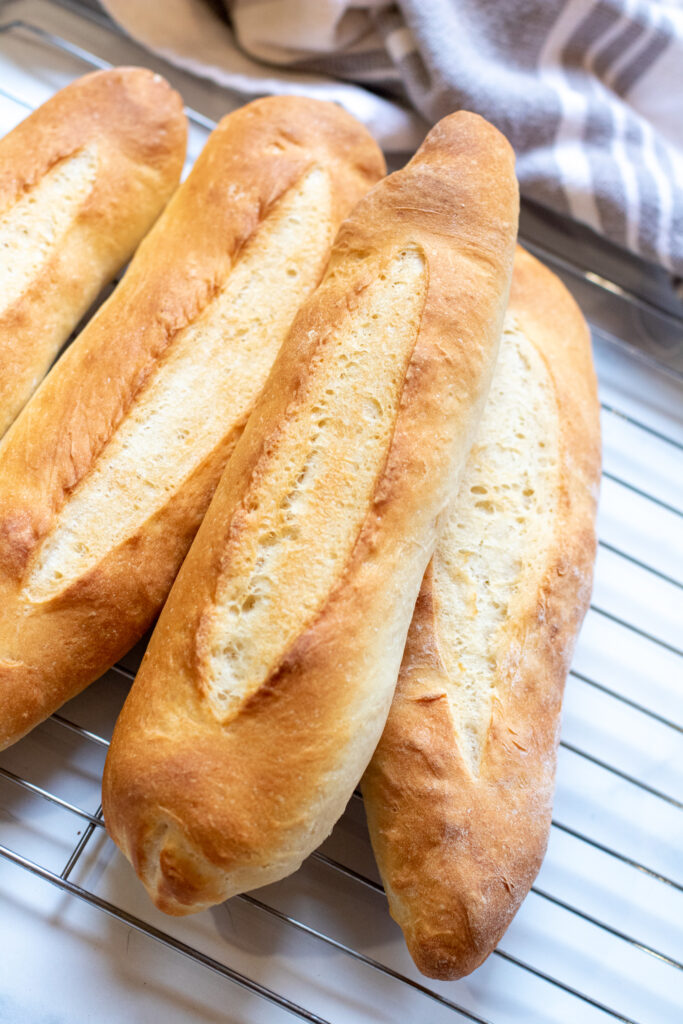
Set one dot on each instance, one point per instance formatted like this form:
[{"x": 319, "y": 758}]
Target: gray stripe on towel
[{"x": 644, "y": 60}]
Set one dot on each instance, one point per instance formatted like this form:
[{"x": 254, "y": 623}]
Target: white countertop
[{"x": 620, "y": 778}]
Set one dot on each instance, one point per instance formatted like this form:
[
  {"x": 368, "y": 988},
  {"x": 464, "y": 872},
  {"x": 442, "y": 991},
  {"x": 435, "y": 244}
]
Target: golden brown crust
[
  {"x": 51, "y": 650},
  {"x": 204, "y": 809},
  {"x": 458, "y": 852},
  {"x": 136, "y": 122}
]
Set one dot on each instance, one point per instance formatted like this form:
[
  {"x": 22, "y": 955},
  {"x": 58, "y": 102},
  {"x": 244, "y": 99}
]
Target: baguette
[
  {"x": 107, "y": 473},
  {"x": 459, "y": 792},
  {"x": 81, "y": 182},
  {"x": 270, "y": 673}
]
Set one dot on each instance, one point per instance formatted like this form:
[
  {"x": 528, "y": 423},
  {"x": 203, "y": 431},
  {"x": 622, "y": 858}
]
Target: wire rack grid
[{"x": 599, "y": 938}]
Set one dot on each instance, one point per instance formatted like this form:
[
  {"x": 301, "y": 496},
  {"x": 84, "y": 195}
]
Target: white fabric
[
  {"x": 589, "y": 92},
  {"x": 191, "y": 35}
]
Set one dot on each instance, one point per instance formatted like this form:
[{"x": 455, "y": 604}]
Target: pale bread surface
[
  {"x": 203, "y": 384},
  {"x": 459, "y": 792},
  {"x": 105, "y": 476},
  {"x": 263, "y": 597},
  {"x": 271, "y": 670},
  {"x": 82, "y": 180}
]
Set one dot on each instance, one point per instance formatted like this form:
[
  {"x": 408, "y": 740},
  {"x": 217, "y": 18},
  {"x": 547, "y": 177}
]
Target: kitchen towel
[{"x": 589, "y": 92}]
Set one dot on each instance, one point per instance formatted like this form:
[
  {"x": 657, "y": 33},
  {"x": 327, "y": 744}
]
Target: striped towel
[{"x": 589, "y": 92}]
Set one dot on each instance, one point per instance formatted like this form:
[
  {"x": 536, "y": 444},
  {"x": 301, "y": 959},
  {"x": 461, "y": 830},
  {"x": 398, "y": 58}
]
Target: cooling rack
[{"x": 599, "y": 938}]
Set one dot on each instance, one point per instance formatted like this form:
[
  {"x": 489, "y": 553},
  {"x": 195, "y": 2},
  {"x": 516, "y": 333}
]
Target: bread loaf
[
  {"x": 459, "y": 792},
  {"x": 81, "y": 182},
  {"x": 269, "y": 675},
  {"x": 105, "y": 476}
]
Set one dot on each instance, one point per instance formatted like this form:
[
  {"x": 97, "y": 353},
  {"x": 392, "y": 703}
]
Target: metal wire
[
  {"x": 128, "y": 674},
  {"x": 79, "y": 730},
  {"x": 376, "y": 887},
  {"x": 603, "y": 283},
  {"x": 80, "y": 846},
  {"x": 638, "y": 630},
  {"x": 602, "y": 925},
  {"x": 548, "y": 256},
  {"x": 39, "y": 791},
  {"x": 637, "y": 353},
  {"x": 569, "y": 989},
  {"x": 95, "y": 821},
  {"x": 361, "y": 957},
  {"x": 617, "y": 854},
  {"x": 643, "y": 494},
  {"x": 357, "y": 795},
  {"x": 87, "y": 58},
  {"x": 163, "y": 937},
  {"x": 626, "y": 700},
  {"x": 642, "y": 426},
  {"x": 641, "y": 565},
  {"x": 622, "y": 775}
]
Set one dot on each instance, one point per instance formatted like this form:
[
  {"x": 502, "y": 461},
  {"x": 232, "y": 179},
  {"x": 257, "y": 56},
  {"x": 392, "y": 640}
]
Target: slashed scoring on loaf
[
  {"x": 305, "y": 507},
  {"x": 506, "y": 505},
  {"x": 202, "y": 389},
  {"x": 32, "y": 227}
]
